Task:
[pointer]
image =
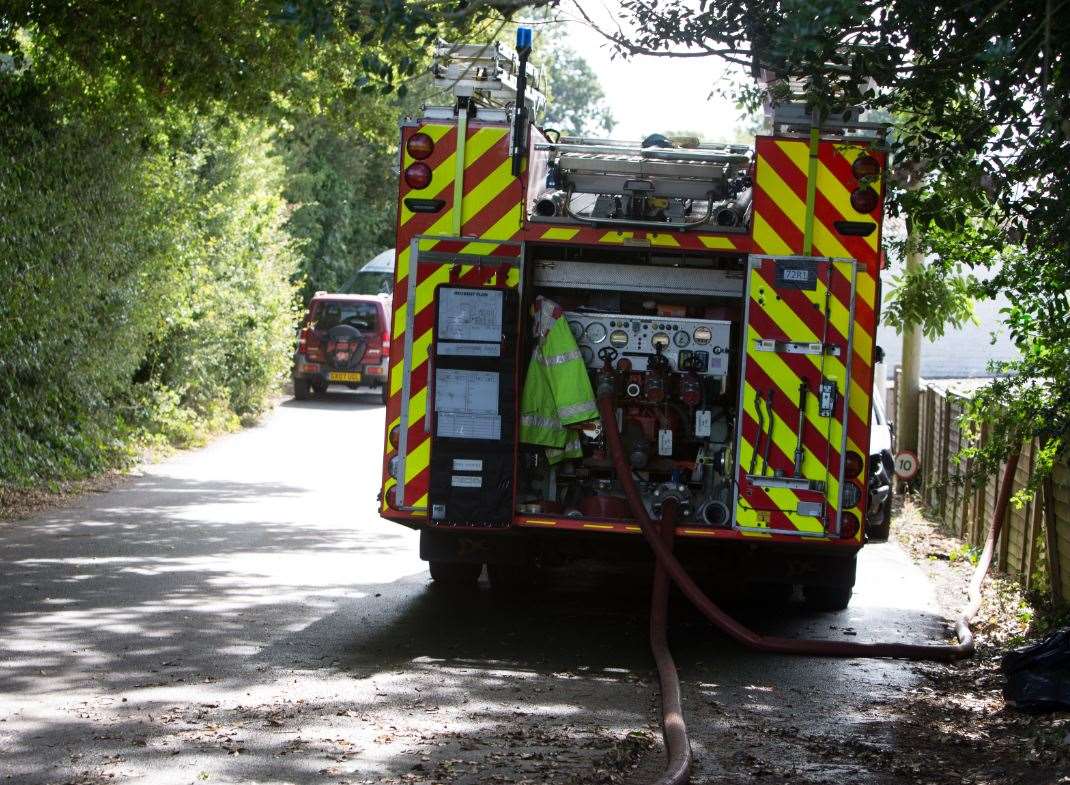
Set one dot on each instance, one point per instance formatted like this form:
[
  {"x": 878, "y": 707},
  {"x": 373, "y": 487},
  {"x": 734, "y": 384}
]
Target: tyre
[
  {"x": 827, "y": 598},
  {"x": 301, "y": 389},
  {"x": 881, "y": 529},
  {"x": 455, "y": 575},
  {"x": 384, "y": 394},
  {"x": 319, "y": 387}
]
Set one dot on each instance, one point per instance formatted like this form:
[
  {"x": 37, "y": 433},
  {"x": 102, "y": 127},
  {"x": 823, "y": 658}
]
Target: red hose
[
  {"x": 748, "y": 637},
  {"x": 677, "y": 746}
]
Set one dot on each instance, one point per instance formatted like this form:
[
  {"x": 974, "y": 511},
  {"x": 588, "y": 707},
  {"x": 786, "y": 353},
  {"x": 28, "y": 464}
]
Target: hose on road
[{"x": 668, "y": 566}]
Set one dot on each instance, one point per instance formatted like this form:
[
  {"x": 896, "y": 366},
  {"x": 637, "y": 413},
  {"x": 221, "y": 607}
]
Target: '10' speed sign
[{"x": 906, "y": 465}]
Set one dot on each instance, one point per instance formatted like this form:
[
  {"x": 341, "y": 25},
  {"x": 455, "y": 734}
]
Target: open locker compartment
[
  {"x": 795, "y": 474},
  {"x": 669, "y": 325}
]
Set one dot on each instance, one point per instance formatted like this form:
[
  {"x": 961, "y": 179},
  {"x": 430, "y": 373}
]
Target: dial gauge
[
  {"x": 703, "y": 335},
  {"x": 588, "y": 355},
  {"x": 596, "y": 332},
  {"x": 660, "y": 339},
  {"x": 681, "y": 338},
  {"x": 618, "y": 339},
  {"x": 577, "y": 330}
]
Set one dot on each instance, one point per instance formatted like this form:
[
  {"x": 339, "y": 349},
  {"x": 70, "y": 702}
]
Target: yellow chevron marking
[
  {"x": 503, "y": 229},
  {"x": 716, "y": 242},
  {"x": 662, "y": 239},
  {"x": 834, "y": 368},
  {"x": 421, "y": 502},
  {"x": 767, "y": 239},
  {"x": 539, "y": 523},
  {"x": 442, "y": 176},
  {"x": 418, "y": 459},
  {"x": 814, "y": 466},
  {"x": 824, "y": 239},
  {"x": 632, "y": 529},
  {"x": 601, "y": 526},
  {"x": 616, "y": 237},
  {"x": 780, "y": 192},
  {"x": 489, "y": 188},
  {"x": 512, "y": 278},
  {"x": 558, "y": 233}
]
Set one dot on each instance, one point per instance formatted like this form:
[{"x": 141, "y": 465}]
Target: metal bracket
[
  {"x": 794, "y": 483},
  {"x": 795, "y": 347}
]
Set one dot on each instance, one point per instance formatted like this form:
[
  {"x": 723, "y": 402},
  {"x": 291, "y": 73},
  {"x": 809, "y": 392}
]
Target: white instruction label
[
  {"x": 665, "y": 442},
  {"x": 466, "y": 481},
  {"x": 467, "y": 465},
  {"x": 470, "y": 314},
  {"x": 703, "y": 423},
  {"x": 469, "y": 349},
  {"x": 469, "y": 426},
  {"x": 470, "y": 392}
]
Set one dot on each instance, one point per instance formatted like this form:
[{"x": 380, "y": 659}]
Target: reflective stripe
[
  {"x": 574, "y": 410},
  {"x": 559, "y": 359},
  {"x": 538, "y": 421}
]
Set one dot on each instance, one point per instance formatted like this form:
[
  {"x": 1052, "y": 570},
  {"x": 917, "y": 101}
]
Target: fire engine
[{"x": 726, "y": 295}]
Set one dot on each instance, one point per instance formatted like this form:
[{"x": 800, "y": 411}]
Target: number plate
[{"x": 344, "y": 376}]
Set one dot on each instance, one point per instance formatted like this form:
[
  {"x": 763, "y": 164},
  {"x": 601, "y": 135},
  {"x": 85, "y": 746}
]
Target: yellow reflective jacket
[{"x": 557, "y": 390}]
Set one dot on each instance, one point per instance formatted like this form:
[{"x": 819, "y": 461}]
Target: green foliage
[
  {"x": 930, "y": 299},
  {"x": 344, "y": 194},
  {"x": 145, "y": 275},
  {"x": 575, "y": 101}
]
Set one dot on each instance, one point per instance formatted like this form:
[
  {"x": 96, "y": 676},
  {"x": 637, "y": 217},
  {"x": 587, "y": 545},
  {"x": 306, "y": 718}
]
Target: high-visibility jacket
[{"x": 557, "y": 390}]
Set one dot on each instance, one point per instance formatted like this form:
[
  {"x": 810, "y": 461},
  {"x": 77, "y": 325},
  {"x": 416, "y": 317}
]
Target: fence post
[{"x": 1051, "y": 534}]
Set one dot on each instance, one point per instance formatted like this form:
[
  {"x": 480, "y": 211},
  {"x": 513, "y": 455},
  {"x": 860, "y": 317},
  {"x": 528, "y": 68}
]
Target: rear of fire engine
[{"x": 719, "y": 299}]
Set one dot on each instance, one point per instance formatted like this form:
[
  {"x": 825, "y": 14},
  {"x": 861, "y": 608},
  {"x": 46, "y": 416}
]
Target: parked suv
[{"x": 344, "y": 339}]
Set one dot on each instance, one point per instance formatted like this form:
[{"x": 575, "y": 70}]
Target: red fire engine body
[{"x": 733, "y": 292}]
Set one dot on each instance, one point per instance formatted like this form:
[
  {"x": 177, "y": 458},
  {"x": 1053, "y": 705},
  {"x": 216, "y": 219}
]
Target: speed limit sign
[{"x": 906, "y": 465}]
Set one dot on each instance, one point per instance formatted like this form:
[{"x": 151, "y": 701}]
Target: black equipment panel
[{"x": 474, "y": 404}]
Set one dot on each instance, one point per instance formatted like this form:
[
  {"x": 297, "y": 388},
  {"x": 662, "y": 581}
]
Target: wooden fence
[{"x": 1032, "y": 534}]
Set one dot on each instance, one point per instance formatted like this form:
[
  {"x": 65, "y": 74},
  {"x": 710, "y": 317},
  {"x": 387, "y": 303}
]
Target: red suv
[{"x": 344, "y": 339}]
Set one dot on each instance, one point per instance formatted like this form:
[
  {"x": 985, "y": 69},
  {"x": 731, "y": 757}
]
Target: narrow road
[{"x": 239, "y": 614}]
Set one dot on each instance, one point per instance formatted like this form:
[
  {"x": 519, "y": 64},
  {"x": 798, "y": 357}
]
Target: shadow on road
[{"x": 337, "y": 399}]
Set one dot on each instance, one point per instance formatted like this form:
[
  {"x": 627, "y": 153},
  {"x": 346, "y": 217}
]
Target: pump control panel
[{"x": 698, "y": 345}]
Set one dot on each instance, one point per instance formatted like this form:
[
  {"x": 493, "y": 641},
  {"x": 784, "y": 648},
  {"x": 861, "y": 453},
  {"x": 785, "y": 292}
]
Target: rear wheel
[
  {"x": 455, "y": 575},
  {"x": 827, "y": 598},
  {"x": 319, "y": 387},
  {"x": 301, "y": 389}
]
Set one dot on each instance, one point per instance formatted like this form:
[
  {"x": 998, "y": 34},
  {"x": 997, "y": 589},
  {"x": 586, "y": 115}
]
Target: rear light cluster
[
  {"x": 308, "y": 345},
  {"x": 864, "y": 198},
  {"x": 851, "y": 494},
  {"x": 418, "y": 174}
]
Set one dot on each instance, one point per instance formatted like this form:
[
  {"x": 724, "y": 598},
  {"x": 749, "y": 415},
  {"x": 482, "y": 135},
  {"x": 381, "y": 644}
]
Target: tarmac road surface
[{"x": 239, "y": 614}]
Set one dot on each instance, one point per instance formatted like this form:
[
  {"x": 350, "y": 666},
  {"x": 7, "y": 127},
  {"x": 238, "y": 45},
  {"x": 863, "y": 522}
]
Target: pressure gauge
[
  {"x": 596, "y": 332},
  {"x": 681, "y": 338},
  {"x": 660, "y": 339},
  {"x": 577, "y": 330},
  {"x": 618, "y": 339},
  {"x": 588, "y": 355},
  {"x": 703, "y": 335}
]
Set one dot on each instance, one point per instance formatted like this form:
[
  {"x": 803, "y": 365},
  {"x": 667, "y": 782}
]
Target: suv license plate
[{"x": 344, "y": 376}]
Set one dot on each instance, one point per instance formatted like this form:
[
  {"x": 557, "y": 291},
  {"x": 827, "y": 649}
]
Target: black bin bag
[{"x": 1038, "y": 675}]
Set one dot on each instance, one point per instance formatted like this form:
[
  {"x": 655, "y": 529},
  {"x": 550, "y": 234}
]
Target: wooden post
[{"x": 1052, "y": 541}]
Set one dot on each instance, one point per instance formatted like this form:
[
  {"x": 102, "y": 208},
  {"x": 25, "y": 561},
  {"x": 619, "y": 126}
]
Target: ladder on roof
[{"x": 486, "y": 74}]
